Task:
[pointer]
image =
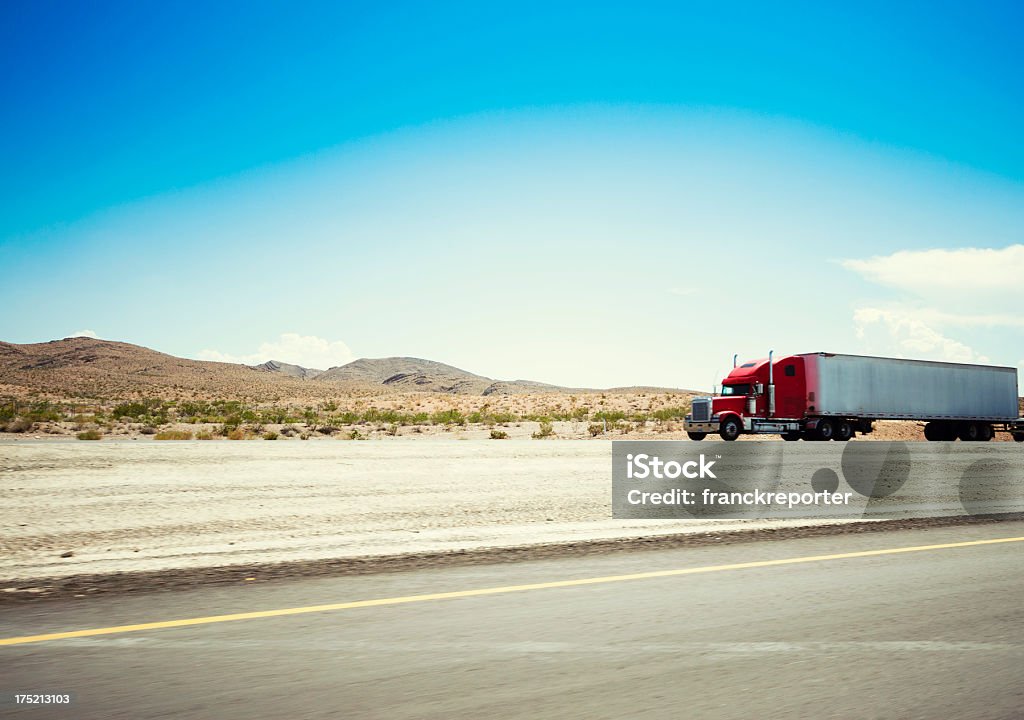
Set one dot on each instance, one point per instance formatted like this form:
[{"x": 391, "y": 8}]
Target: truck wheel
[
  {"x": 844, "y": 430},
  {"x": 730, "y": 429},
  {"x": 697, "y": 435},
  {"x": 1018, "y": 436},
  {"x": 933, "y": 433},
  {"x": 970, "y": 432},
  {"x": 824, "y": 430},
  {"x": 985, "y": 432},
  {"x": 947, "y": 431},
  {"x": 791, "y": 436}
]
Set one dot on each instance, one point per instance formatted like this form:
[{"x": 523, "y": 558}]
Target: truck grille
[{"x": 701, "y": 409}]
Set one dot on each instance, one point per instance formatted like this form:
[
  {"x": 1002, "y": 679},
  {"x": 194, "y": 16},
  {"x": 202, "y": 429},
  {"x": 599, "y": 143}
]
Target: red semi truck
[{"x": 827, "y": 396}]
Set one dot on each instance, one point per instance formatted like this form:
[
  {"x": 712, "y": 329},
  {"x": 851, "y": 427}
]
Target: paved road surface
[{"x": 935, "y": 633}]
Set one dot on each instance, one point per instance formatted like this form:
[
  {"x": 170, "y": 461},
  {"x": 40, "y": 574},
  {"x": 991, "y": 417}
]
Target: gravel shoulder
[{"x": 72, "y": 513}]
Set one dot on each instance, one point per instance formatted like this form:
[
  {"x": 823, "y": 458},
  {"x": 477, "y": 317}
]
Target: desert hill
[
  {"x": 407, "y": 373},
  {"x": 86, "y": 367},
  {"x": 296, "y": 371}
]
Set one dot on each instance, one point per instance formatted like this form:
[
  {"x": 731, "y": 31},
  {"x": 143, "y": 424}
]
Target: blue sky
[{"x": 579, "y": 193}]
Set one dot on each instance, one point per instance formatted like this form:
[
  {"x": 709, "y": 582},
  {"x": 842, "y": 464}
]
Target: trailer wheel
[
  {"x": 697, "y": 435},
  {"x": 933, "y": 432},
  {"x": 824, "y": 430},
  {"x": 730, "y": 429},
  {"x": 970, "y": 432},
  {"x": 985, "y": 432},
  {"x": 1018, "y": 436},
  {"x": 947, "y": 431},
  {"x": 844, "y": 431},
  {"x": 795, "y": 435}
]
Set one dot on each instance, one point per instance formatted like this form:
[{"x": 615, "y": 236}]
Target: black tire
[
  {"x": 1018, "y": 436},
  {"x": 970, "y": 432},
  {"x": 933, "y": 432},
  {"x": 730, "y": 428},
  {"x": 947, "y": 431},
  {"x": 698, "y": 436},
  {"x": 824, "y": 430},
  {"x": 791, "y": 436},
  {"x": 843, "y": 430},
  {"x": 986, "y": 432}
]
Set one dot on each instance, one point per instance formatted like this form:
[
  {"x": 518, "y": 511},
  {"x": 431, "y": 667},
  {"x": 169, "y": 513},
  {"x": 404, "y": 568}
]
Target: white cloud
[
  {"x": 308, "y": 351},
  {"x": 889, "y": 331},
  {"x": 930, "y": 273},
  {"x": 682, "y": 291},
  {"x": 942, "y": 293},
  {"x": 86, "y": 334}
]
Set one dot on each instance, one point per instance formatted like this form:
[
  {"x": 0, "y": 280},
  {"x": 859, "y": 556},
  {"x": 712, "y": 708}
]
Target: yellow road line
[{"x": 489, "y": 591}]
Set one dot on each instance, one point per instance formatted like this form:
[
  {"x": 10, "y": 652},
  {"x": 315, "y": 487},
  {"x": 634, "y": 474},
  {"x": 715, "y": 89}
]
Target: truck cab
[{"x": 765, "y": 396}]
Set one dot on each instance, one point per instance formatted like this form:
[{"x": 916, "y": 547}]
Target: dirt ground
[{"x": 71, "y": 507}]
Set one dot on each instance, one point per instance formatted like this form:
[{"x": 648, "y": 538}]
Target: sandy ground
[
  {"x": 127, "y": 505},
  {"x": 138, "y": 506}
]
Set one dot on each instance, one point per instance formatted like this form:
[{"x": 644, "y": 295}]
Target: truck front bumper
[{"x": 704, "y": 427}]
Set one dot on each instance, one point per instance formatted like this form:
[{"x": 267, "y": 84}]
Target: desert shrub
[
  {"x": 595, "y": 429},
  {"x": 148, "y": 430},
  {"x": 448, "y": 417},
  {"x": 43, "y": 411},
  {"x": 18, "y": 425},
  {"x": 392, "y": 430},
  {"x": 545, "y": 430},
  {"x": 274, "y": 416},
  {"x": 669, "y": 413},
  {"x": 195, "y": 409},
  {"x": 204, "y": 435},
  {"x": 8, "y": 410},
  {"x": 611, "y": 416},
  {"x": 140, "y": 408},
  {"x": 289, "y": 430},
  {"x": 354, "y": 435},
  {"x": 499, "y": 435},
  {"x": 236, "y": 434},
  {"x": 270, "y": 436},
  {"x": 173, "y": 435},
  {"x": 327, "y": 430},
  {"x": 83, "y": 421},
  {"x": 89, "y": 435},
  {"x": 483, "y": 417}
]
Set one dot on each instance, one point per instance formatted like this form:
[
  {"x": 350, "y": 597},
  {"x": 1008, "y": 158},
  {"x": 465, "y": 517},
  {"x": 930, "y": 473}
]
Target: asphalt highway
[{"x": 925, "y": 623}]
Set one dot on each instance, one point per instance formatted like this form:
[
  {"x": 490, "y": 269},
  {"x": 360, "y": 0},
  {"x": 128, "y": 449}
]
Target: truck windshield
[{"x": 735, "y": 389}]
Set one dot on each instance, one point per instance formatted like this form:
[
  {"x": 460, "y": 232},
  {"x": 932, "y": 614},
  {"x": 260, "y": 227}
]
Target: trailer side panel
[{"x": 873, "y": 387}]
